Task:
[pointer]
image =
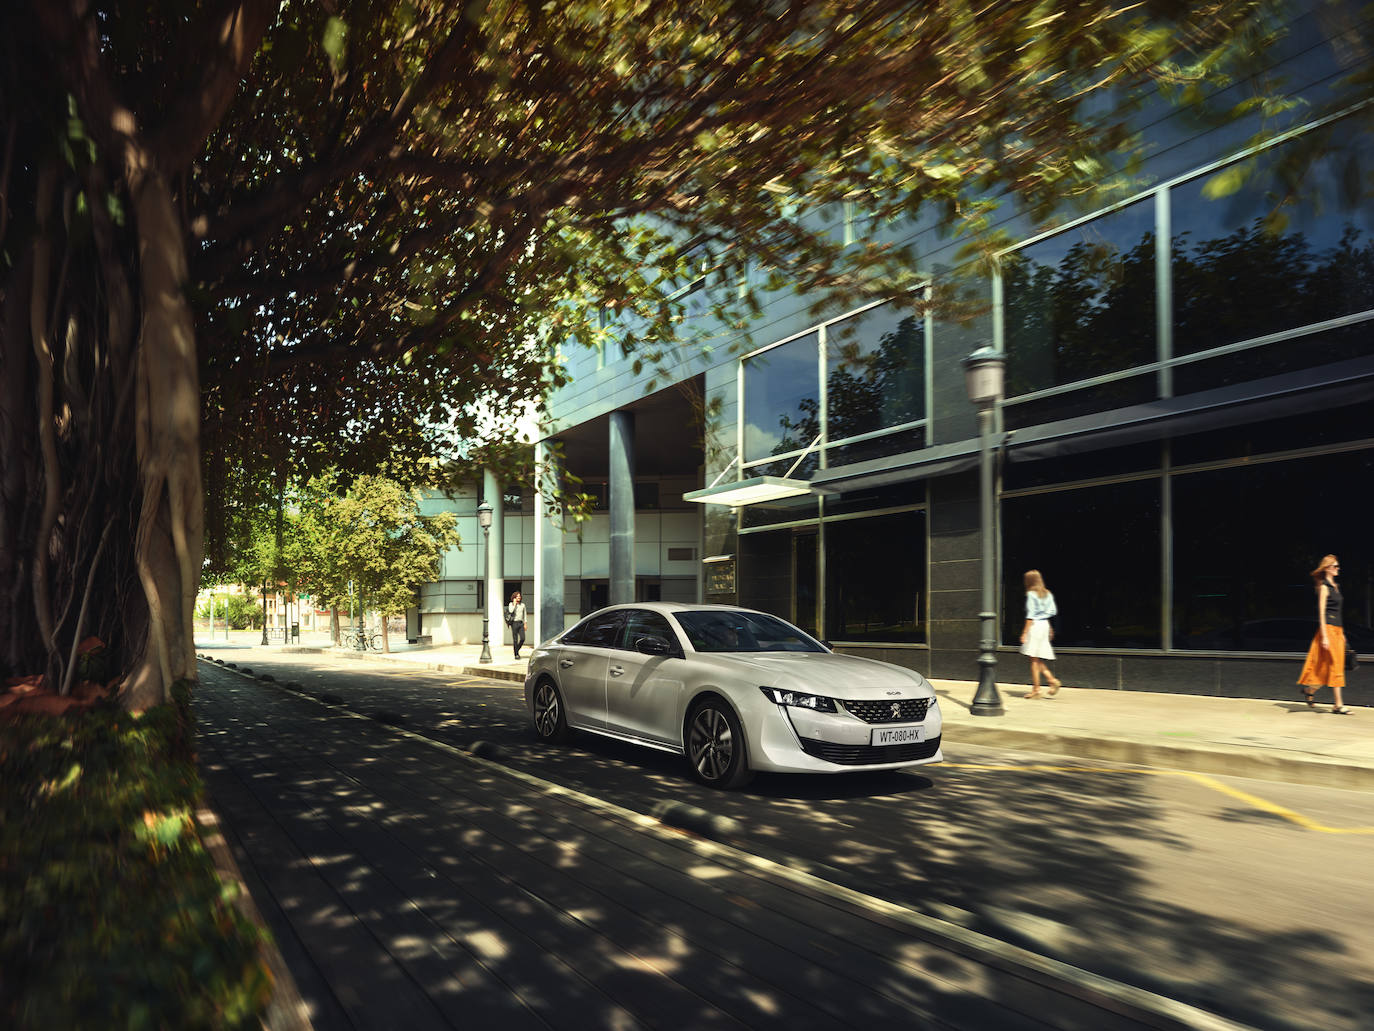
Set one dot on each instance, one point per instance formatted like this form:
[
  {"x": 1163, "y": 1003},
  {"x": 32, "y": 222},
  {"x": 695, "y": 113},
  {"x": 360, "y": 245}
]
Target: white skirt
[{"x": 1037, "y": 644}]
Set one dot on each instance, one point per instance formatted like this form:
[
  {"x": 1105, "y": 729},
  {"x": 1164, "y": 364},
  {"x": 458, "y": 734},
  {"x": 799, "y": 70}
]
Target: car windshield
[{"x": 711, "y": 631}]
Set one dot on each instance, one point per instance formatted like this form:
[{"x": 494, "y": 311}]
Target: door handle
[
  {"x": 565, "y": 663},
  {"x": 617, "y": 671}
]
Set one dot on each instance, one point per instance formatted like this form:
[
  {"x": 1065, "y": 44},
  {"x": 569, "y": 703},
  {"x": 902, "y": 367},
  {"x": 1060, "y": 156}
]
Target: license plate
[{"x": 898, "y": 735}]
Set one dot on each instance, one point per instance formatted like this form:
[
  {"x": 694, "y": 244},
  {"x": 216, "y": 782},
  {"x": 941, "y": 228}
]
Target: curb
[
  {"x": 1231, "y": 762},
  {"x": 286, "y": 1010},
  {"x": 488, "y": 672}
]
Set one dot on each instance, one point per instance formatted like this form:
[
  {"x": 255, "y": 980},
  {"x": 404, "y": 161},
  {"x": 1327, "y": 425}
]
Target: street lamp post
[
  {"x": 484, "y": 521},
  {"x": 983, "y": 371}
]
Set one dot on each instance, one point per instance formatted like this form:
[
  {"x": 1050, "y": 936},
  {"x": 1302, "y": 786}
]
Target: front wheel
[
  {"x": 550, "y": 722},
  {"x": 715, "y": 745},
  {"x": 376, "y": 642}
]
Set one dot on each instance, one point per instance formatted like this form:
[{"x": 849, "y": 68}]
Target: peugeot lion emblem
[{"x": 896, "y": 709}]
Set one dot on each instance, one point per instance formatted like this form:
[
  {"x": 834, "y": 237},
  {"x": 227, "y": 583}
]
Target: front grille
[
  {"x": 909, "y": 710},
  {"x": 869, "y": 755}
]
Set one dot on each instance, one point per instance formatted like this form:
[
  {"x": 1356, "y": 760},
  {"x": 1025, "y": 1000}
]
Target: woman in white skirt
[{"x": 1037, "y": 633}]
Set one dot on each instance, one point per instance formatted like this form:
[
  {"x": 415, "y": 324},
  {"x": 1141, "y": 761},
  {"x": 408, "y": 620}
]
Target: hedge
[{"x": 111, "y": 914}]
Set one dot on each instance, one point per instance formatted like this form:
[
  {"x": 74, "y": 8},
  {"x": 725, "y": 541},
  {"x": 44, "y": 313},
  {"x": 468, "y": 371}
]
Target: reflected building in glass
[{"x": 1187, "y": 431}]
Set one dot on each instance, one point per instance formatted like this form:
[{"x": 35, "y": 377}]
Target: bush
[{"x": 111, "y": 914}]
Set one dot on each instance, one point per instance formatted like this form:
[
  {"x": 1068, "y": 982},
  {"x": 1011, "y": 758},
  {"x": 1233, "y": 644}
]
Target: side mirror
[{"x": 653, "y": 646}]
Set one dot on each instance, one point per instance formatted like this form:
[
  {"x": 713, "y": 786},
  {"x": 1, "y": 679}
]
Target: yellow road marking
[{"x": 1200, "y": 778}]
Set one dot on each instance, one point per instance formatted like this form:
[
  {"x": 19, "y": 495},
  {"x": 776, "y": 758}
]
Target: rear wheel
[
  {"x": 550, "y": 722},
  {"x": 715, "y": 745}
]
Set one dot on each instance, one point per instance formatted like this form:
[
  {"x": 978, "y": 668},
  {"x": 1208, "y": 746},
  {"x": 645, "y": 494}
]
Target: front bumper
[{"x": 795, "y": 740}]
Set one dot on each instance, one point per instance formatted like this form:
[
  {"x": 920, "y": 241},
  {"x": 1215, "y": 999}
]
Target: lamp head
[
  {"x": 484, "y": 515},
  {"x": 983, "y": 372}
]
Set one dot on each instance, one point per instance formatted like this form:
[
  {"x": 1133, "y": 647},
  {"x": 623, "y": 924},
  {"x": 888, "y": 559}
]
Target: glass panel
[
  {"x": 804, "y": 579},
  {"x": 878, "y": 447},
  {"x": 788, "y": 510},
  {"x": 1241, "y": 583},
  {"x": 1081, "y": 303},
  {"x": 781, "y": 406},
  {"x": 1136, "y": 390},
  {"x": 875, "y": 578},
  {"x": 1335, "y": 426},
  {"x": 1085, "y": 465},
  {"x": 1286, "y": 249},
  {"x": 1098, "y": 550},
  {"x": 1274, "y": 359},
  {"x": 911, "y": 492},
  {"x": 875, "y": 371}
]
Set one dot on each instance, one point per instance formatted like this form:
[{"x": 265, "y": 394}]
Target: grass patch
[{"x": 111, "y": 914}]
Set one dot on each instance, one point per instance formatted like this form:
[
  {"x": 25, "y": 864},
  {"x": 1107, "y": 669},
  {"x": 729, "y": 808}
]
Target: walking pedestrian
[
  {"x": 515, "y": 612},
  {"x": 1037, "y": 634},
  {"x": 1325, "y": 665}
]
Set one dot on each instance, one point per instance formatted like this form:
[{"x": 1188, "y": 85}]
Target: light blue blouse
[{"x": 1038, "y": 607}]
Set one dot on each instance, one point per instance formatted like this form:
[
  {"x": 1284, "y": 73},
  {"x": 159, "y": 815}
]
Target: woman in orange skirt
[{"x": 1325, "y": 665}]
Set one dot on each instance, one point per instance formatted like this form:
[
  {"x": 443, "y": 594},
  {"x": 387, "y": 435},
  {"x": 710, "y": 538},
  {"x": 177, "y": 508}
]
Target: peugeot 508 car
[{"x": 733, "y": 690}]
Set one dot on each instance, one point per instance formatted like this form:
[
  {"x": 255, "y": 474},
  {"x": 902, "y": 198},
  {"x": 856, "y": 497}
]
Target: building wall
[{"x": 1178, "y": 554}]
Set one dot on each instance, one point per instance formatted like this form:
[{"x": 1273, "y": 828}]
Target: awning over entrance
[{"x": 756, "y": 490}]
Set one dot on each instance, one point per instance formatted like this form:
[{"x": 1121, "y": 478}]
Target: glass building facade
[{"x": 1186, "y": 432}]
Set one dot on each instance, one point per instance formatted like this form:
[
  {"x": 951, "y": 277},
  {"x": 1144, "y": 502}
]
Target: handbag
[{"x": 1351, "y": 660}]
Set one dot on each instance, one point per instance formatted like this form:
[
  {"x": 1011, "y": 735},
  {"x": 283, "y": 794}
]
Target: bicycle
[{"x": 361, "y": 640}]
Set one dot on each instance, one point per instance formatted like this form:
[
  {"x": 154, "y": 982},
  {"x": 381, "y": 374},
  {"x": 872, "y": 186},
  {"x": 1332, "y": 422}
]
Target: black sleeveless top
[{"x": 1333, "y": 605}]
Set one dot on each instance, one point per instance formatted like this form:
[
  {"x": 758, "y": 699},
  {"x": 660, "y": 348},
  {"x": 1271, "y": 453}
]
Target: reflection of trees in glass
[
  {"x": 1254, "y": 282},
  {"x": 869, "y": 388},
  {"x": 1088, "y": 315}
]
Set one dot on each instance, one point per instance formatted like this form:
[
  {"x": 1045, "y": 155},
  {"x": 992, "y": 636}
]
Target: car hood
[{"x": 838, "y": 676}]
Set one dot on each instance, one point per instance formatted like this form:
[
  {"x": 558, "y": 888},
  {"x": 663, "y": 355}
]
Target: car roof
[{"x": 674, "y": 606}]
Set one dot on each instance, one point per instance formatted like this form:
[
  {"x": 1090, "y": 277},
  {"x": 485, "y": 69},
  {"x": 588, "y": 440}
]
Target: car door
[
  {"x": 643, "y": 691},
  {"x": 582, "y": 659}
]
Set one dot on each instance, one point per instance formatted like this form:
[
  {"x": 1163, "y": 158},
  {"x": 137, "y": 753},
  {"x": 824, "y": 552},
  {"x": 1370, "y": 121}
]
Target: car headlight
[{"x": 814, "y": 702}]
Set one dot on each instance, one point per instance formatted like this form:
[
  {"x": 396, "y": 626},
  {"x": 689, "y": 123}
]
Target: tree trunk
[{"x": 170, "y": 542}]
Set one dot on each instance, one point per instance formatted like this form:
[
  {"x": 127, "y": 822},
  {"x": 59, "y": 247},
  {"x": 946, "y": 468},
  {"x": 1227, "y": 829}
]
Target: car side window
[
  {"x": 642, "y": 623},
  {"x": 601, "y": 631}
]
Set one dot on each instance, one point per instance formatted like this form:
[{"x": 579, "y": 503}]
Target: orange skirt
[{"x": 1325, "y": 668}]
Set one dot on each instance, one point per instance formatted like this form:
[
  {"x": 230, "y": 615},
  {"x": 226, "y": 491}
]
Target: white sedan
[{"x": 731, "y": 689}]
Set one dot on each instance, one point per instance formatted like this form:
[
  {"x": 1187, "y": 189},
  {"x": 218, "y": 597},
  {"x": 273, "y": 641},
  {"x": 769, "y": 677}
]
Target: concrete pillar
[
  {"x": 494, "y": 564},
  {"x": 621, "y": 488},
  {"x": 546, "y": 607}
]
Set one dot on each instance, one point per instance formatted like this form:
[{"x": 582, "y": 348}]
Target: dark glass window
[
  {"x": 781, "y": 406},
  {"x": 736, "y": 631},
  {"x": 866, "y": 499},
  {"x": 1289, "y": 242},
  {"x": 1134, "y": 390},
  {"x": 787, "y": 510},
  {"x": 1274, "y": 359},
  {"x": 1098, "y": 550},
  {"x": 1334, "y": 426},
  {"x": 1245, "y": 540},
  {"x": 1083, "y": 465},
  {"x": 875, "y": 578},
  {"x": 646, "y": 495},
  {"x": 599, "y": 630},
  {"x": 875, "y": 371},
  {"x": 877, "y": 447},
  {"x": 642, "y": 623},
  {"x": 1081, "y": 303}
]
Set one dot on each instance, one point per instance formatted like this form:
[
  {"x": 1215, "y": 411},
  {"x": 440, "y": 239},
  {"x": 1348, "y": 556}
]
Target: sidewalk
[{"x": 1264, "y": 739}]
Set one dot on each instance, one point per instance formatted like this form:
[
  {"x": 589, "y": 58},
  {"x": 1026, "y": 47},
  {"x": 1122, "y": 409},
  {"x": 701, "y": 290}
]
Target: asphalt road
[{"x": 1244, "y": 898}]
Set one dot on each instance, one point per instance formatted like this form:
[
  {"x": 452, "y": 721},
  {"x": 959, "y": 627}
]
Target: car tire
[
  {"x": 715, "y": 745},
  {"x": 547, "y": 712}
]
